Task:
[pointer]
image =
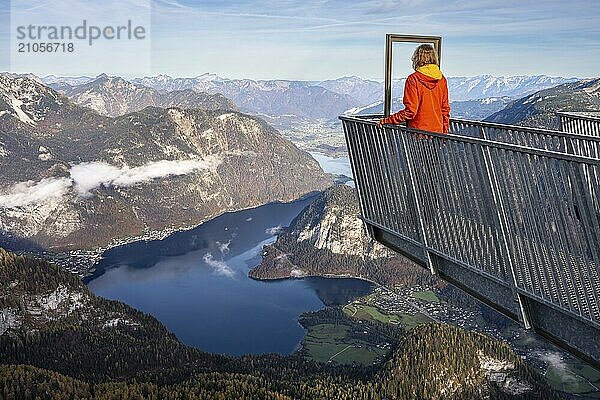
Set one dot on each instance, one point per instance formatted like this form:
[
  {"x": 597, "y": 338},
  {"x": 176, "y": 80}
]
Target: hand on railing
[{"x": 380, "y": 123}]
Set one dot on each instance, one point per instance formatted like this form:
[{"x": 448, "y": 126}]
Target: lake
[
  {"x": 196, "y": 283},
  {"x": 334, "y": 165}
]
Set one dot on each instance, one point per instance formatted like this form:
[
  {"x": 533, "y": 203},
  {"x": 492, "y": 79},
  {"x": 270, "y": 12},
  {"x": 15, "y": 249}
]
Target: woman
[{"x": 425, "y": 99}]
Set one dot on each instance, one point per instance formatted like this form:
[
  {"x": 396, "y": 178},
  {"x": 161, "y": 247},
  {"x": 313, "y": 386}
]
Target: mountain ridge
[
  {"x": 538, "y": 109},
  {"x": 303, "y": 99},
  {"x": 115, "y": 96}
]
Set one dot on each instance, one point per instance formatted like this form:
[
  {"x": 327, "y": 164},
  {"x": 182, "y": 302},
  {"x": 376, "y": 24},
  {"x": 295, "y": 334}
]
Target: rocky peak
[
  {"x": 333, "y": 223},
  {"x": 27, "y": 100}
]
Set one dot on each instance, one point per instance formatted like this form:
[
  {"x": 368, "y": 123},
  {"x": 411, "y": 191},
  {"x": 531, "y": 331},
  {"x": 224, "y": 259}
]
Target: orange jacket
[{"x": 426, "y": 105}]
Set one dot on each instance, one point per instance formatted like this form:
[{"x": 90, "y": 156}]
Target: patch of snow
[
  {"x": 297, "y": 273},
  {"x": 593, "y": 89},
  {"x": 111, "y": 323},
  {"x": 225, "y": 117},
  {"x": 358, "y": 110},
  {"x": 60, "y": 297},
  {"x": 16, "y": 105},
  {"x": 498, "y": 371},
  {"x": 3, "y": 151},
  {"x": 9, "y": 320},
  {"x": 493, "y": 365},
  {"x": 306, "y": 234}
]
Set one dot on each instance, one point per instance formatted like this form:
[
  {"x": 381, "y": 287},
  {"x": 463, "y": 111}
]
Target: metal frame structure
[
  {"x": 509, "y": 214},
  {"x": 390, "y": 39},
  {"x": 517, "y": 226}
]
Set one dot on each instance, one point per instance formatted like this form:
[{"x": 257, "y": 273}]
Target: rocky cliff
[{"x": 328, "y": 238}]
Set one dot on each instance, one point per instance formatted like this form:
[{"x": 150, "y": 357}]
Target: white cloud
[
  {"x": 88, "y": 176},
  {"x": 224, "y": 247},
  {"x": 26, "y": 193},
  {"x": 274, "y": 230},
  {"x": 220, "y": 267}
]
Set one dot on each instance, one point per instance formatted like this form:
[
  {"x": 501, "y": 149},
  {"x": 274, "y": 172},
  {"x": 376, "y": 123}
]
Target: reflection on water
[
  {"x": 196, "y": 283},
  {"x": 338, "y": 166}
]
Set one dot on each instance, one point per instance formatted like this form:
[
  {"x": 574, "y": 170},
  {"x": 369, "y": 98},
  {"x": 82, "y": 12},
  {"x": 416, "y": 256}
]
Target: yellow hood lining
[{"x": 431, "y": 70}]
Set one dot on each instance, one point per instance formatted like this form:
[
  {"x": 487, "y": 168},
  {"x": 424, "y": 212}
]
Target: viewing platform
[{"x": 509, "y": 214}]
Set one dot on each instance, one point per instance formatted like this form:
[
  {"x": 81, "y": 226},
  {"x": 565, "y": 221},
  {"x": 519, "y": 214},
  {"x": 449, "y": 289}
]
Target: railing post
[
  {"x": 359, "y": 191},
  {"x": 416, "y": 197},
  {"x": 501, "y": 215}
]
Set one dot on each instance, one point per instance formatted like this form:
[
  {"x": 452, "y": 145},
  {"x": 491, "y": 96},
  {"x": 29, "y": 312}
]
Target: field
[
  {"x": 360, "y": 332},
  {"x": 329, "y": 343},
  {"x": 365, "y": 312},
  {"x": 426, "y": 295}
]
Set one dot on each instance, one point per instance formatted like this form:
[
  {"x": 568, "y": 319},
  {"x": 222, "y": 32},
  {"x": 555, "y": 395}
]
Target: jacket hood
[{"x": 429, "y": 75}]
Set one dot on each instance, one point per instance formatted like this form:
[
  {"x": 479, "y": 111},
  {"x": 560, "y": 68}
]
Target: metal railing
[
  {"x": 517, "y": 226},
  {"x": 583, "y": 123},
  {"x": 569, "y": 142},
  {"x": 575, "y": 141}
]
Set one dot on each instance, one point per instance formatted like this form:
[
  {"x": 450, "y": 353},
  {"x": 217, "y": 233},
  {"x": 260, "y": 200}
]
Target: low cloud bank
[
  {"x": 85, "y": 177},
  {"x": 88, "y": 176},
  {"x": 25, "y": 193},
  {"x": 224, "y": 247}
]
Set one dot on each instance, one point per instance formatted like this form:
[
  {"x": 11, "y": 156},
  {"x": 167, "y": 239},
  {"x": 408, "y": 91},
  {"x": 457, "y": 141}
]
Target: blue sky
[{"x": 327, "y": 39}]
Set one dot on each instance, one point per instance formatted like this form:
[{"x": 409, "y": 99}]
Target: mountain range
[
  {"x": 71, "y": 157},
  {"x": 75, "y": 179},
  {"x": 284, "y": 102},
  {"x": 114, "y": 96}
]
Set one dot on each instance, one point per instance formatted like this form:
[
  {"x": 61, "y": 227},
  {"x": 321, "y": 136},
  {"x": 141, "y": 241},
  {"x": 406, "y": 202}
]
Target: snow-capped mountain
[
  {"x": 25, "y": 101},
  {"x": 297, "y": 100},
  {"x": 114, "y": 96},
  {"x": 363, "y": 90},
  {"x": 269, "y": 98},
  {"x": 483, "y": 86},
  {"x": 368, "y": 92},
  {"x": 165, "y": 83},
  {"x": 22, "y": 98},
  {"x": 478, "y": 109},
  {"x": 469, "y": 109},
  {"x": 67, "y": 80},
  {"x": 539, "y": 109},
  {"x": 263, "y": 97}
]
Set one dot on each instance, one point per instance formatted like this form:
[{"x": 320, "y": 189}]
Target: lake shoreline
[
  {"x": 96, "y": 255},
  {"x": 325, "y": 276},
  {"x": 196, "y": 279}
]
